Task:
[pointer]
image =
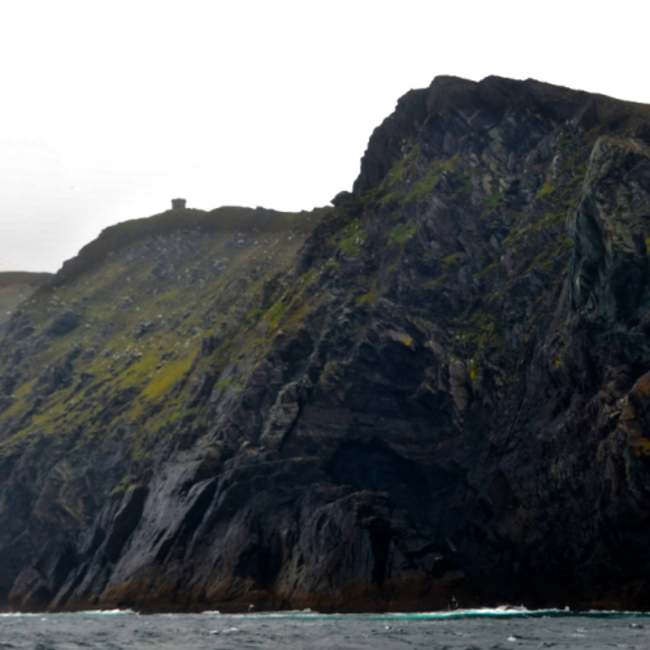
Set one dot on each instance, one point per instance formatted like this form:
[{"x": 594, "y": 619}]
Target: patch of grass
[
  {"x": 401, "y": 168},
  {"x": 544, "y": 191},
  {"x": 168, "y": 375},
  {"x": 396, "y": 196},
  {"x": 372, "y": 296},
  {"x": 185, "y": 415},
  {"x": 494, "y": 201},
  {"x": 400, "y": 234},
  {"x": 480, "y": 330},
  {"x": 433, "y": 284},
  {"x": 423, "y": 187},
  {"x": 350, "y": 239},
  {"x": 274, "y": 314},
  {"x": 491, "y": 269},
  {"x": 308, "y": 278},
  {"x": 453, "y": 260},
  {"x": 223, "y": 383},
  {"x": 331, "y": 376}
]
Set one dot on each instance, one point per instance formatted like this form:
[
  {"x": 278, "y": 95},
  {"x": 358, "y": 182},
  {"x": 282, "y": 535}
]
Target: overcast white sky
[{"x": 111, "y": 109}]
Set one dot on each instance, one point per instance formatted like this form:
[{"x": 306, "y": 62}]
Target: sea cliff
[{"x": 437, "y": 389}]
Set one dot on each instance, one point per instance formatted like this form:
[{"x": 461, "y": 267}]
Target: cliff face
[{"x": 439, "y": 387}]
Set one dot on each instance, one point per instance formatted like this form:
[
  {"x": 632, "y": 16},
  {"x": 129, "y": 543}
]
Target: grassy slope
[{"x": 147, "y": 294}]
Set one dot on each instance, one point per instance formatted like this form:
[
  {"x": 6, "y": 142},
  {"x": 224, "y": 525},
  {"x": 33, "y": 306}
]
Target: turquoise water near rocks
[{"x": 465, "y": 630}]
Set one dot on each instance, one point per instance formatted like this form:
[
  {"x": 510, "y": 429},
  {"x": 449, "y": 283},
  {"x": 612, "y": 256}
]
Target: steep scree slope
[{"x": 442, "y": 390}]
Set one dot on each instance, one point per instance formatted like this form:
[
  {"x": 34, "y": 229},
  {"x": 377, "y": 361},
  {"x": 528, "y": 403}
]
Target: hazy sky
[{"x": 111, "y": 109}]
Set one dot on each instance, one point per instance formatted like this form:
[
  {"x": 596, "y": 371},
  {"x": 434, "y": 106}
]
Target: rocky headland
[{"x": 439, "y": 388}]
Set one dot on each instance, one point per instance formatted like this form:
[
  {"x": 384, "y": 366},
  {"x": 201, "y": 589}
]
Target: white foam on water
[
  {"x": 108, "y": 612},
  {"x": 502, "y": 611}
]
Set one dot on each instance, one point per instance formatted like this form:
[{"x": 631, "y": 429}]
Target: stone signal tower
[{"x": 178, "y": 204}]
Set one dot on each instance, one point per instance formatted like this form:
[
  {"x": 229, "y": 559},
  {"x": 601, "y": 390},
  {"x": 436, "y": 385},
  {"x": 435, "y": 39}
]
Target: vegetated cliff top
[
  {"x": 437, "y": 388},
  {"x": 221, "y": 220}
]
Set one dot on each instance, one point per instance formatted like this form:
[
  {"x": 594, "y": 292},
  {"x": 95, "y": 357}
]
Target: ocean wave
[
  {"x": 108, "y": 612},
  {"x": 503, "y": 611}
]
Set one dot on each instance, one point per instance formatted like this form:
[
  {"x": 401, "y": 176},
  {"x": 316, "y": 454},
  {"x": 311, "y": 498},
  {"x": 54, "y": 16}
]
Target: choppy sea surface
[{"x": 484, "y": 629}]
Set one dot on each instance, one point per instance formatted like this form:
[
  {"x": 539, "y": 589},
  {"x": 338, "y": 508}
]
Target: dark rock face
[
  {"x": 438, "y": 389},
  {"x": 64, "y": 324},
  {"x": 610, "y": 264}
]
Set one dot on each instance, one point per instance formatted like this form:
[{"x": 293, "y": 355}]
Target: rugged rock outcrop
[{"x": 438, "y": 388}]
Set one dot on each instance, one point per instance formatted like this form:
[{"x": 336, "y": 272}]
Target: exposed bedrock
[{"x": 437, "y": 389}]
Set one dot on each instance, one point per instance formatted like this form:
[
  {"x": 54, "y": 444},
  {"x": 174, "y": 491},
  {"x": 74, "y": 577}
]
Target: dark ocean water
[{"x": 468, "y": 630}]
